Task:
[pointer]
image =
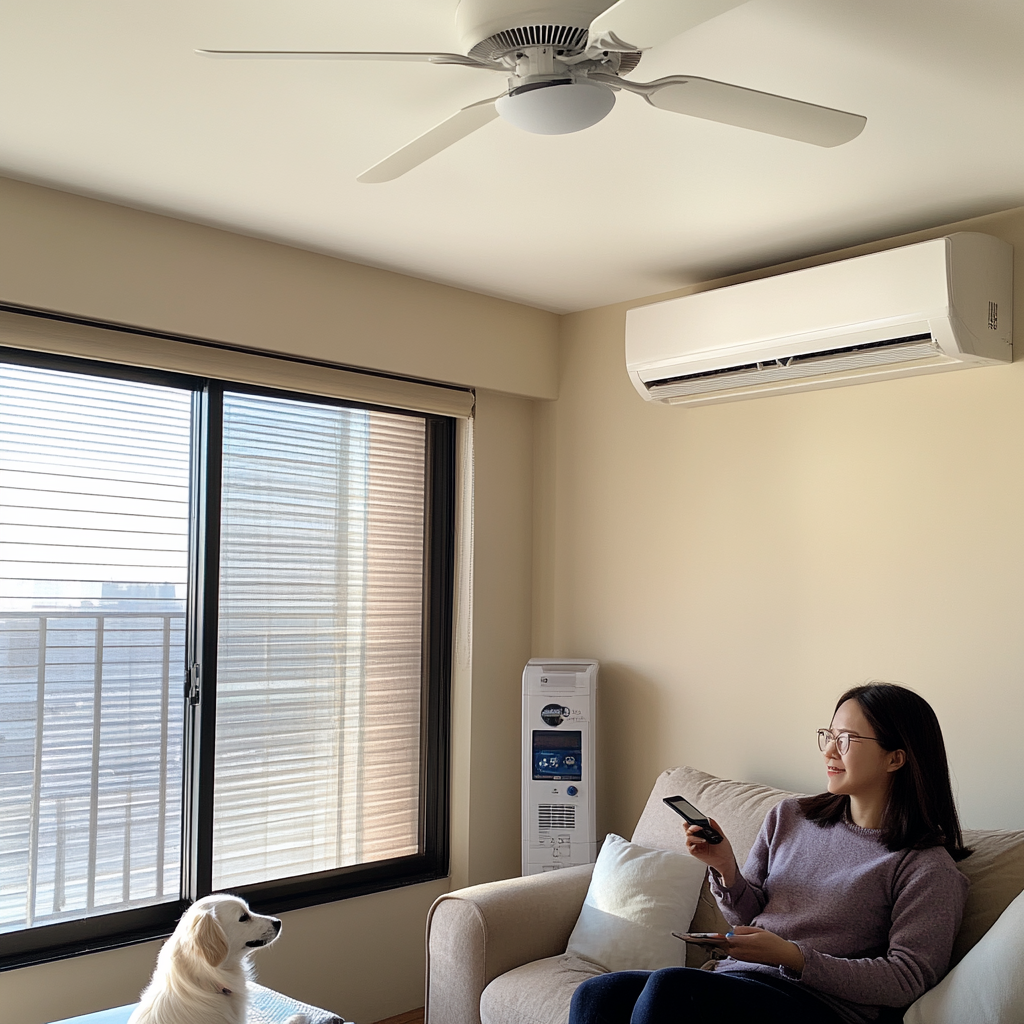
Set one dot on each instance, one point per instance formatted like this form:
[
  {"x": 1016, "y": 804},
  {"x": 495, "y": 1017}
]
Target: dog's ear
[{"x": 209, "y": 939}]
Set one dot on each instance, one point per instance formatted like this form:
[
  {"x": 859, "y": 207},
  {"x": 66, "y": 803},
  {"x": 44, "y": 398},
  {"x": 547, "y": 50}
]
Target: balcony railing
[{"x": 90, "y": 761}]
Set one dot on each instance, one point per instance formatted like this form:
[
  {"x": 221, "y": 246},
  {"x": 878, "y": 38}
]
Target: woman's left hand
[{"x": 757, "y": 946}]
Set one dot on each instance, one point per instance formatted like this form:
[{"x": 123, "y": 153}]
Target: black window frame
[{"x": 47, "y": 943}]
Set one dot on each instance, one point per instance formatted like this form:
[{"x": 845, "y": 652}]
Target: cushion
[
  {"x": 987, "y": 986},
  {"x": 539, "y": 992},
  {"x": 267, "y": 1006},
  {"x": 637, "y": 898}
]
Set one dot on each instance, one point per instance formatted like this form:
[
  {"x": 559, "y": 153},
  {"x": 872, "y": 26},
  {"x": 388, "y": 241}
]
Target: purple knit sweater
[{"x": 876, "y": 928}]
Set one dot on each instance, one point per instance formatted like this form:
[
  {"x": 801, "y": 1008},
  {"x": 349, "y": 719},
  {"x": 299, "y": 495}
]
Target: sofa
[{"x": 496, "y": 953}]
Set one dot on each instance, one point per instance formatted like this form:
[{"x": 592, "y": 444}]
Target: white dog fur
[{"x": 203, "y": 968}]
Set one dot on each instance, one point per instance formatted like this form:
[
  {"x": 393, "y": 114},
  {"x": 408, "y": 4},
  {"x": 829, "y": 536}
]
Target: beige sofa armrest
[{"x": 476, "y": 934}]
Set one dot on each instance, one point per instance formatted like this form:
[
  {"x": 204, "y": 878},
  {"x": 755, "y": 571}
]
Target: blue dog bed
[{"x": 265, "y": 1007}]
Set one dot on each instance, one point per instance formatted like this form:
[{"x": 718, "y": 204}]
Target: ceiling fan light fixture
[{"x": 558, "y": 107}]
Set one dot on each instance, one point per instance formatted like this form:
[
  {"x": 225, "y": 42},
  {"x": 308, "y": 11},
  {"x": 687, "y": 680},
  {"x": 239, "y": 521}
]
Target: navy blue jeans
[{"x": 678, "y": 994}]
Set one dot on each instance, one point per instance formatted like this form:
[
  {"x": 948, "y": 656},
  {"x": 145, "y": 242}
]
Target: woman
[{"x": 849, "y": 901}]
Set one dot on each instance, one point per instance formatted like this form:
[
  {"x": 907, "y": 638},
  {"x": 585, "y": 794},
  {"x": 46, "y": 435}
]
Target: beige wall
[
  {"x": 501, "y": 626},
  {"x": 92, "y": 259},
  {"x": 735, "y": 567},
  {"x": 361, "y": 957}
]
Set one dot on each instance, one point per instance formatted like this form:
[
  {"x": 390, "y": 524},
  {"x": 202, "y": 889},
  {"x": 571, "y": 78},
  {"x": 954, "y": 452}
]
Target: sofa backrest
[
  {"x": 995, "y": 869},
  {"x": 739, "y": 807},
  {"x": 996, "y": 872}
]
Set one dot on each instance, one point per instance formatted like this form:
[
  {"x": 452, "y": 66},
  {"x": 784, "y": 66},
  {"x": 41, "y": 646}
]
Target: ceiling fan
[{"x": 565, "y": 62}]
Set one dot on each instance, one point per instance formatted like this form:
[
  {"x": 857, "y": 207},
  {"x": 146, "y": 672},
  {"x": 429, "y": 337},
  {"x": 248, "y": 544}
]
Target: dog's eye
[{"x": 245, "y": 917}]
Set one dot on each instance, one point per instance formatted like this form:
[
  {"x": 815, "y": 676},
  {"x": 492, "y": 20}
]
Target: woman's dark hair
[{"x": 921, "y": 811}]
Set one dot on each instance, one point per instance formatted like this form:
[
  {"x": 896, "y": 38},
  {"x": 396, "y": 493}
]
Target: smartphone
[
  {"x": 694, "y": 817},
  {"x": 702, "y": 938}
]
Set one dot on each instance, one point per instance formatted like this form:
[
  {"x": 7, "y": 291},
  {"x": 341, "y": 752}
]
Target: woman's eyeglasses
[{"x": 841, "y": 740}]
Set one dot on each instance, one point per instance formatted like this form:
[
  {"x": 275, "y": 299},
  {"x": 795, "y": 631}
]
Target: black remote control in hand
[{"x": 686, "y": 810}]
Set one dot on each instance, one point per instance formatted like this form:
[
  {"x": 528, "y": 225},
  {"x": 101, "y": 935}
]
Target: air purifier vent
[{"x": 556, "y": 816}]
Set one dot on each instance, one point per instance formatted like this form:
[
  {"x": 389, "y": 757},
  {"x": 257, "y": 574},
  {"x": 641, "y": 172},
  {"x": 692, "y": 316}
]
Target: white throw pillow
[
  {"x": 987, "y": 986},
  {"x": 637, "y": 898}
]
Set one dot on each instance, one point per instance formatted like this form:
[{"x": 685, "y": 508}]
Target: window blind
[
  {"x": 94, "y": 483},
  {"x": 320, "y": 641},
  {"x": 85, "y": 341}
]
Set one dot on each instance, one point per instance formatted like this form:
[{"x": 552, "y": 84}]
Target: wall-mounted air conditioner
[{"x": 937, "y": 305}]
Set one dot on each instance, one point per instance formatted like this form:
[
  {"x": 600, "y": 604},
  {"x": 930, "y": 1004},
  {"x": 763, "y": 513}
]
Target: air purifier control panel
[{"x": 558, "y": 755}]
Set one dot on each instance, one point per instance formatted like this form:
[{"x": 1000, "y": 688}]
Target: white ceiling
[{"x": 107, "y": 98}]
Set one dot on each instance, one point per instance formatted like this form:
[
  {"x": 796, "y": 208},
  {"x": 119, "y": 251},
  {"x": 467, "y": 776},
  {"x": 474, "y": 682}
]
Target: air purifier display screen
[{"x": 558, "y": 755}]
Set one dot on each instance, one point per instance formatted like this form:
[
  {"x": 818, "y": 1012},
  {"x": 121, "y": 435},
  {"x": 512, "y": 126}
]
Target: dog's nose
[{"x": 277, "y": 925}]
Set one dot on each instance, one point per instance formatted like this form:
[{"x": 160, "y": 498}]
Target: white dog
[{"x": 203, "y": 968}]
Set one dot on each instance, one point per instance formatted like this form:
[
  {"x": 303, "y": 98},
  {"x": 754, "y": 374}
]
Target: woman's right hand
[{"x": 718, "y": 856}]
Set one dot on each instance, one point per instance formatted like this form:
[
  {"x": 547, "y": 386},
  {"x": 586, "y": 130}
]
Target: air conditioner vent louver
[
  {"x": 836, "y": 360},
  {"x": 556, "y": 816}
]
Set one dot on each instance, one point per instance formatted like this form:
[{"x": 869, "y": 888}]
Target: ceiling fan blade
[
  {"x": 431, "y": 142},
  {"x": 429, "y": 58},
  {"x": 758, "y": 111},
  {"x": 640, "y": 24}
]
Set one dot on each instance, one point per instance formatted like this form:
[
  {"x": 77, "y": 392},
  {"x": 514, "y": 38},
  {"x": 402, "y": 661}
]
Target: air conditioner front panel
[
  {"x": 852, "y": 296},
  {"x": 846, "y": 322}
]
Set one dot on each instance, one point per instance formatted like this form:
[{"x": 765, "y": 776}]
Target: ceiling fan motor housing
[{"x": 549, "y": 94}]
